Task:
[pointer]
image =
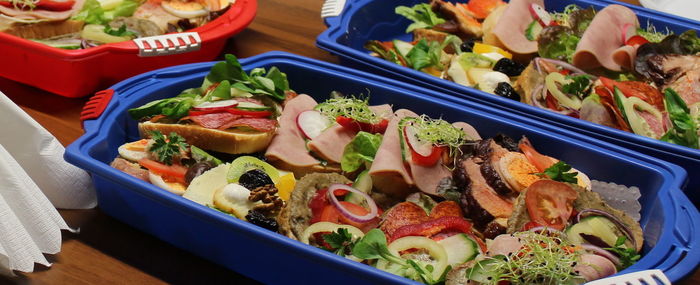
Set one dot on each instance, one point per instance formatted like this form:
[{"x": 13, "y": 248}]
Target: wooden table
[{"x": 108, "y": 251}]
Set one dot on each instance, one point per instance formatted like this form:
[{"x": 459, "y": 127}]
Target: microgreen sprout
[{"x": 352, "y": 107}]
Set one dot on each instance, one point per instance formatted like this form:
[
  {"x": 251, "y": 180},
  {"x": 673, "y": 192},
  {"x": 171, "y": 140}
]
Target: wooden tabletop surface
[{"x": 107, "y": 251}]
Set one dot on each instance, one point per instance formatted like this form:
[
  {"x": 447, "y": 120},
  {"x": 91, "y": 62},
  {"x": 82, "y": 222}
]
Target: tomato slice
[
  {"x": 636, "y": 40},
  {"x": 550, "y": 203},
  {"x": 171, "y": 173},
  {"x": 352, "y": 124},
  {"x": 552, "y": 103},
  {"x": 330, "y": 213}
]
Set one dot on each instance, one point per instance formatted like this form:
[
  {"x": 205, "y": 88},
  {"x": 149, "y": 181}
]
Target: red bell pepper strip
[
  {"x": 356, "y": 126},
  {"x": 44, "y": 5},
  {"x": 433, "y": 227}
]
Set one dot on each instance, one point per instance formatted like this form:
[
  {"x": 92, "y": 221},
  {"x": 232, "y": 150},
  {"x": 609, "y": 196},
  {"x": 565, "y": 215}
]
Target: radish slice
[
  {"x": 540, "y": 14},
  {"x": 216, "y": 105},
  {"x": 312, "y": 123},
  {"x": 628, "y": 30},
  {"x": 417, "y": 145}
]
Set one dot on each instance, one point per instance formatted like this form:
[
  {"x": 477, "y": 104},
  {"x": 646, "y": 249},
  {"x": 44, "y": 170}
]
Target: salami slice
[{"x": 215, "y": 120}]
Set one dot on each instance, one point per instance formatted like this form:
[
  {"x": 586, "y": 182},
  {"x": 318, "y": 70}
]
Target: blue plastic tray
[
  {"x": 672, "y": 240},
  {"x": 363, "y": 20}
]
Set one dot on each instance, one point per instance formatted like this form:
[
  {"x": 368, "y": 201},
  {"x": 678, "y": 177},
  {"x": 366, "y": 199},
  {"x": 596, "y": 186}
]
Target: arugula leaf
[
  {"x": 361, "y": 149},
  {"x": 121, "y": 32},
  {"x": 559, "y": 172},
  {"x": 579, "y": 86},
  {"x": 422, "y": 16},
  {"x": 628, "y": 256},
  {"x": 273, "y": 83},
  {"x": 685, "y": 129},
  {"x": 166, "y": 149}
]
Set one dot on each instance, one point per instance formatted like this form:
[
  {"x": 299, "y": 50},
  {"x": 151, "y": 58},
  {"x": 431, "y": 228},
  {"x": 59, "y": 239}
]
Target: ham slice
[
  {"x": 389, "y": 173},
  {"x": 603, "y": 38},
  {"x": 509, "y": 31},
  {"x": 624, "y": 56},
  {"x": 288, "y": 146},
  {"x": 470, "y": 131},
  {"x": 330, "y": 144},
  {"x": 39, "y": 14}
]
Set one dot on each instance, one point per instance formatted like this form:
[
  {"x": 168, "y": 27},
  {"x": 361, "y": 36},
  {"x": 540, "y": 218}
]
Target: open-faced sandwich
[
  {"x": 418, "y": 197},
  {"x": 76, "y": 24}
]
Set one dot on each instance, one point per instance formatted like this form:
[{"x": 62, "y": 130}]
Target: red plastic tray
[{"x": 78, "y": 73}]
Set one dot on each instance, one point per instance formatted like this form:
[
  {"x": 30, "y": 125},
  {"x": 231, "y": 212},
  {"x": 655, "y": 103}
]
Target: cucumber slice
[
  {"x": 402, "y": 48},
  {"x": 252, "y": 106},
  {"x": 483, "y": 271},
  {"x": 596, "y": 226},
  {"x": 405, "y": 149},
  {"x": 533, "y": 30},
  {"x": 460, "y": 248},
  {"x": 363, "y": 182}
]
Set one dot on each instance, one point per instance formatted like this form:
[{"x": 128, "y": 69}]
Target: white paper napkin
[
  {"x": 41, "y": 155},
  {"x": 683, "y": 8}
]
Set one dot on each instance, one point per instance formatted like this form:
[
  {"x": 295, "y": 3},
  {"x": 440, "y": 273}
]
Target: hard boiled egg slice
[
  {"x": 184, "y": 9},
  {"x": 172, "y": 187},
  {"x": 134, "y": 151},
  {"x": 233, "y": 199}
]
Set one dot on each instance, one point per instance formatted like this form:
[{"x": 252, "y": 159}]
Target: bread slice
[{"x": 232, "y": 141}]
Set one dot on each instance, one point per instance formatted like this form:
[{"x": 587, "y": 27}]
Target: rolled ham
[
  {"x": 509, "y": 31},
  {"x": 624, "y": 56},
  {"x": 427, "y": 178},
  {"x": 389, "y": 173},
  {"x": 603, "y": 39},
  {"x": 288, "y": 147},
  {"x": 331, "y": 143}
]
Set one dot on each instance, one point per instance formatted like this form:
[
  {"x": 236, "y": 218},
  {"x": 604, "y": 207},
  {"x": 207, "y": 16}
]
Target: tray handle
[
  {"x": 94, "y": 107},
  {"x": 332, "y": 9},
  {"x": 683, "y": 259},
  {"x": 168, "y": 44}
]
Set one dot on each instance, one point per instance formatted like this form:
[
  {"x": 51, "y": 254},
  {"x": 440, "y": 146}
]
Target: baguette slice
[{"x": 232, "y": 141}]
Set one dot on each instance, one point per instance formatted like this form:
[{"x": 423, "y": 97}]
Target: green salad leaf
[
  {"x": 272, "y": 83},
  {"x": 652, "y": 35},
  {"x": 628, "y": 256},
  {"x": 381, "y": 50},
  {"x": 421, "y": 15},
  {"x": 360, "y": 151},
  {"x": 579, "y": 86},
  {"x": 685, "y": 129},
  {"x": 92, "y": 12},
  {"x": 424, "y": 54},
  {"x": 557, "y": 42},
  {"x": 690, "y": 42},
  {"x": 121, "y": 32}
]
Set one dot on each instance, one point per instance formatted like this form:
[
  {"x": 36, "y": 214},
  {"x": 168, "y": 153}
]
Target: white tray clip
[
  {"x": 168, "y": 44},
  {"x": 332, "y": 8}
]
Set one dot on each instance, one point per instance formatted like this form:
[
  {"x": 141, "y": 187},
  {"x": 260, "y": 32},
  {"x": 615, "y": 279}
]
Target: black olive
[
  {"x": 197, "y": 169},
  {"x": 260, "y": 220},
  {"x": 505, "y": 90},
  {"x": 254, "y": 178},
  {"x": 467, "y": 46},
  {"x": 508, "y": 67}
]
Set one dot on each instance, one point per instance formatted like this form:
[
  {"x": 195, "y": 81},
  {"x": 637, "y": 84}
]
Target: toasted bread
[{"x": 232, "y": 141}]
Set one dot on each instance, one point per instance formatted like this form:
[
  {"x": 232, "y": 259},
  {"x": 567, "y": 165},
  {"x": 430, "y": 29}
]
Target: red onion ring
[
  {"x": 536, "y": 61},
  {"x": 615, "y": 220},
  {"x": 563, "y": 64},
  {"x": 535, "y": 92},
  {"x": 602, "y": 252},
  {"x": 373, "y": 210},
  {"x": 541, "y": 229}
]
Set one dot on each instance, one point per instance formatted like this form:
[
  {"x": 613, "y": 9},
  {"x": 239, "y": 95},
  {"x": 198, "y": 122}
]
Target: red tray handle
[{"x": 95, "y": 106}]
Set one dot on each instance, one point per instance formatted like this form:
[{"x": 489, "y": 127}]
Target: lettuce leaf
[
  {"x": 272, "y": 83},
  {"x": 360, "y": 150},
  {"x": 557, "y": 42},
  {"x": 92, "y": 12},
  {"x": 690, "y": 42},
  {"x": 422, "y": 16}
]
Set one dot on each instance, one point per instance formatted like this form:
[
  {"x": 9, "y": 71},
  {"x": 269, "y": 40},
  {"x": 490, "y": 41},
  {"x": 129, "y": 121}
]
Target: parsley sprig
[
  {"x": 121, "y": 32},
  {"x": 560, "y": 172},
  {"x": 628, "y": 256},
  {"x": 166, "y": 148},
  {"x": 341, "y": 241},
  {"x": 578, "y": 87}
]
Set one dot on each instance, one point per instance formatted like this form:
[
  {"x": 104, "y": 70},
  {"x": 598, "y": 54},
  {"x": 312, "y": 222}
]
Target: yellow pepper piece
[
  {"x": 286, "y": 185},
  {"x": 484, "y": 48},
  {"x": 432, "y": 71}
]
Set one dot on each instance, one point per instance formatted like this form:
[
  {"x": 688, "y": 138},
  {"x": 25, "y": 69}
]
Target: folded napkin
[
  {"x": 41, "y": 155},
  {"x": 34, "y": 180}
]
